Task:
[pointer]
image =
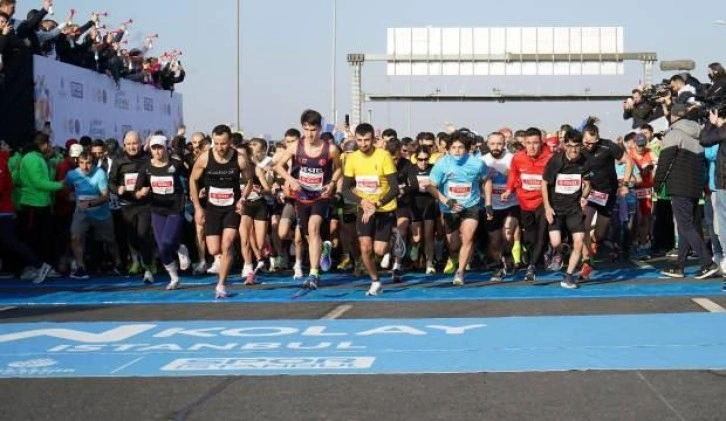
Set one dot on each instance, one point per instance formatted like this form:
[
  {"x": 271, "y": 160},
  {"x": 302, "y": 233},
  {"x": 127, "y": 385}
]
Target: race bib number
[
  {"x": 568, "y": 183},
  {"x": 130, "y": 181},
  {"x": 459, "y": 191},
  {"x": 368, "y": 184},
  {"x": 598, "y": 198},
  {"x": 423, "y": 179},
  {"x": 311, "y": 180},
  {"x": 221, "y": 197},
  {"x": 642, "y": 194},
  {"x": 531, "y": 182},
  {"x": 162, "y": 185}
]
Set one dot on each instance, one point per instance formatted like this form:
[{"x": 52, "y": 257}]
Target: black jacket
[
  {"x": 682, "y": 163},
  {"x": 711, "y": 136}
]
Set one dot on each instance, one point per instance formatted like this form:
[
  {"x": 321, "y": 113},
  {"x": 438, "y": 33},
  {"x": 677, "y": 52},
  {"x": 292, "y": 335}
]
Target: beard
[{"x": 497, "y": 154}]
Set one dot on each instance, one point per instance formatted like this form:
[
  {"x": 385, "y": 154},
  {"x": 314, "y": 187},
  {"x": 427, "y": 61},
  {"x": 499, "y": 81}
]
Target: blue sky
[{"x": 286, "y": 56}]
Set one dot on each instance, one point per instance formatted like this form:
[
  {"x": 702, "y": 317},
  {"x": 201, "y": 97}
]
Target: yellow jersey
[{"x": 370, "y": 174}]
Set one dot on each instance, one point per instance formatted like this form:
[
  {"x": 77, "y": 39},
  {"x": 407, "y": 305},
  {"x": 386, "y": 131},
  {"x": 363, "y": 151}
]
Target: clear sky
[{"x": 286, "y": 53}]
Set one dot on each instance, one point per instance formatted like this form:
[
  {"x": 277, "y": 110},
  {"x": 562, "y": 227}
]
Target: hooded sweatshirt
[{"x": 682, "y": 163}]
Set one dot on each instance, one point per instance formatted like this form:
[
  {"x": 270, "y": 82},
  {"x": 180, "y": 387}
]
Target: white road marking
[
  {"x": 127, "y": 365},
  {"x": 7, "y": 308},
  {"x": 337, "y": 312},
  {"x": 709, "y": 305},
  {"x": 642, "y": 265}
]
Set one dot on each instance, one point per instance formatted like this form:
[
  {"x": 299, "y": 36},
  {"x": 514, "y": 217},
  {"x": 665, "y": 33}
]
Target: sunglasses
[{"x": 422, "y": 158}]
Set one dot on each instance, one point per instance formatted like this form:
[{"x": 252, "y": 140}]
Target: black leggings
[
  {"x": 35, "y": 225},
  {"x": 10, "y": 244},
  {"x": 137, "y": 224},
  {"x": 534, "y": 233}
]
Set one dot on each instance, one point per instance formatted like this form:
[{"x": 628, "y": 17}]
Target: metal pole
[
  {"x": 370, "y": 116},
  {"x": 237, "y": 80},
  {"x": 332, "y": 114}
]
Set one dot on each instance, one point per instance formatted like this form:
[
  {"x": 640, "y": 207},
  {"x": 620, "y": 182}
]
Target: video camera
[{"x": 652, "y": 93}]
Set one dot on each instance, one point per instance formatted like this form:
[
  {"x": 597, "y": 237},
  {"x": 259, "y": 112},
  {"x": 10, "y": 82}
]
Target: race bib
[
  {"x": 459, "y": 191},
  {"x": 531, "y": 182},
  {"x": 598, "y": 198},
  {"x": 311, "y": 180},
  {"x": 162, "y": 185},
  {"x": 130, "y": 181},
  {"x": 421, "y": 180},
  {"x": 642, "y": 194},
  {"x": 368, "y": 184},
  {"x": 221, "y": 197},
  {"x": 568, "y": 183}
]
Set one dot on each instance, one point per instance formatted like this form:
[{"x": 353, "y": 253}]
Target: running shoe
[
  {"x": 531, "y": 274},
  {"x": 413, "y": 254},
  {"x": 674, "y": 272},
  {"x": 200, "y": 268},
  {"x": 345, "y": 264},
  {"x": 375, "y": 289},
  {"x": 430, "y": 269},
  {"x": 173, "y": 284},
  {"x": 359, "y": 268},
  {"x": 451, "y": 266},
  {"x": 135, "y": 268},
  {"x": 29, "y": 273},
  {"x": 586, "y": 271},
  {"x": 312, "y": 282},
  {"x": 214, "y": 269},
  {"x": 184, "y": 261},
  {"x": 148, "y": 277},
  {"x": 458, "y": 279},
  {"x": 220, "y": 292},
  {"x": 249, "y": 278},
  {"x": 42, "y": 273},
  {"x": 707, "y": 271},
  {"x": 298, "y": 272},
  {"x": 498, "y": 276},
  {"x": 396, "y": 276},
  {"x": 325, "y": 261},
  {"x": 567, "y": 282},
  {"x": 79, "y": 273}
]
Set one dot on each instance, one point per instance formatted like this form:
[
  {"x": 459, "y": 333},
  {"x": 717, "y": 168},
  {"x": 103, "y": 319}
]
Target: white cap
[
  {"x": 75, "y": 151},
  {"x": 157, "y": 140}
]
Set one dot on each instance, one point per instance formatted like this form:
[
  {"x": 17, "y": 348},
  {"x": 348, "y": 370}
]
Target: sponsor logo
[
  {"x": 148, "y": 104},
  {"x": 77, "y": 90},
  {"x": 267, "y": 363},
  {"x": 121, "y": 102},
  {"x": 41, "y": 367}
]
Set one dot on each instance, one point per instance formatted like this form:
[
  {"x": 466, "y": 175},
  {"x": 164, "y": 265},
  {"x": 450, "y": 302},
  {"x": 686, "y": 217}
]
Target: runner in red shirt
[{"x": 525, "y": 179}]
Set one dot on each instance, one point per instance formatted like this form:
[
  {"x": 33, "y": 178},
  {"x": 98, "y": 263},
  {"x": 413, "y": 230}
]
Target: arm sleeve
[
  {"x": 550, "y": 171},
  {"x": 348, "y": 193},
  {"x": 392, "y": 189},
  {"x": 412, "y": 179},
  {"x": 142, "y": 179}
]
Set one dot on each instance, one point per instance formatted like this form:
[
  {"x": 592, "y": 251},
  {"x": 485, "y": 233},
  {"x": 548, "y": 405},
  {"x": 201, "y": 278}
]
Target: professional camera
[{"x": 654, "y": 92}]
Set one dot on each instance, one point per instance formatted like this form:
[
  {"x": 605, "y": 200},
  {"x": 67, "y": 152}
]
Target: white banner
[{"x": 80, "y": 102}]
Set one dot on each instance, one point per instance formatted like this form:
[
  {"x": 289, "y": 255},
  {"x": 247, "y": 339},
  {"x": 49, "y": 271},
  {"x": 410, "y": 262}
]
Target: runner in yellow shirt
[{"x": 370, "y": 181}]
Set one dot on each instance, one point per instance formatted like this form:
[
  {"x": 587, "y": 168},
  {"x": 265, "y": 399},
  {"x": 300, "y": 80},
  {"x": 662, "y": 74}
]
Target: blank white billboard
[{"x": 494, "y": 51}]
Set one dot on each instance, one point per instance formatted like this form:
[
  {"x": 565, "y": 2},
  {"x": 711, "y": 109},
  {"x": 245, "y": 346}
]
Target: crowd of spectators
[{"x": 89, "y": 44}]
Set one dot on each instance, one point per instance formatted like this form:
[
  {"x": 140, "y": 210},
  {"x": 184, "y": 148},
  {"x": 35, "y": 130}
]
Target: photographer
[
  {"x": 640, "y": 110},
  {"x": 714, "y": 133}
]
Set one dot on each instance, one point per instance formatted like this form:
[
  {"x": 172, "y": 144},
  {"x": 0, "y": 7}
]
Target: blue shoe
[
  {"x": 311, "y": 282},
  {"x": 325, "y": 261}
]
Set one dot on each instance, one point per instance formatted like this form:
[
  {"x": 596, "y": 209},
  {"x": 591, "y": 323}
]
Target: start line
[{"x": 692, "y": 341}]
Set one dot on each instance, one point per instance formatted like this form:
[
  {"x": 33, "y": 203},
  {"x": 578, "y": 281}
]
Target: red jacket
[
  {"x": 525, "y": 178},
  {"x": 6, "y": 185}
]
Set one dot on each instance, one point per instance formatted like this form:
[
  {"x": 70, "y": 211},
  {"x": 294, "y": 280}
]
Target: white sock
[
  {"x": 298, "y": 263},
  {"x": 173, "y": 271},
  {"x": 396, "y": 266},
  {"x": 247, "y": 269}
]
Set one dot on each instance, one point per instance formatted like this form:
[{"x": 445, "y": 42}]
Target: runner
[
  {"x": 160, "y": 180},
  {"x": 220, "y": 169},
  {"x": 565, "y": 188},
  {"x": 456, "y": 183},
  {"x": 601, "y": 155},
  {"x": 312, "y": 180},
  {"x": 403, "y": 208},
  {"x": 423, "y": 208},
  {"x": 255, "y": 212},
  {"x": 504, "y": 232},
  {"x": 135, "y": 213},
  {"x": 371, "y": 181},
  {"x": 525, "y": 177}
]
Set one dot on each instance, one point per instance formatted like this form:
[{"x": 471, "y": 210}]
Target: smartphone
[{"x": 347, "y": 120}]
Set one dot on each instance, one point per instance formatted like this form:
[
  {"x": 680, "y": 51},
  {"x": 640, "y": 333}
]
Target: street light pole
[
  {"x": 332, "y": 115},
  {"x": 237, "y": 56}
]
